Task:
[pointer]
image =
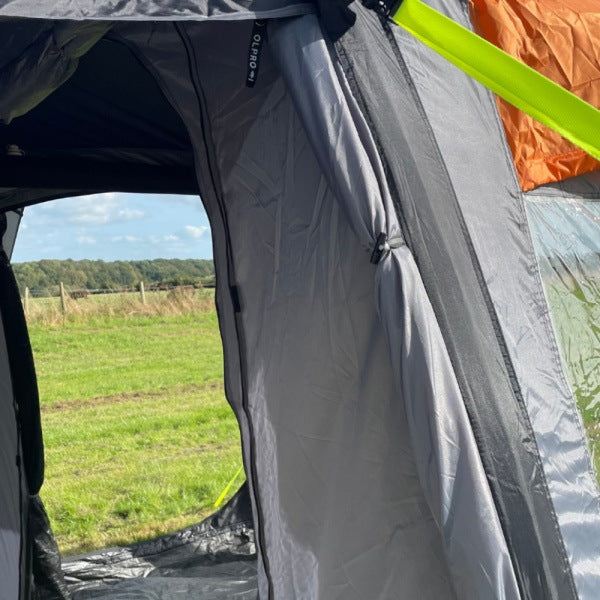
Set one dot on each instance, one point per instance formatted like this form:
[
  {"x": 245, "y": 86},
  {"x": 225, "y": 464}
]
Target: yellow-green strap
[
  {"x": 224, "y": 493},
  {"x": 522, "y": 86}
]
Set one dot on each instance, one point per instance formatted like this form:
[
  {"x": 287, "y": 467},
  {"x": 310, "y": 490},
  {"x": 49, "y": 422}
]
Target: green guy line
[
  {"x": 522, "y": 86},
  {"x": 224, "y": 493}
]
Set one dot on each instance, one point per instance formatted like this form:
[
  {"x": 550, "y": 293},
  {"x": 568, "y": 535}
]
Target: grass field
[{"x": 139, "y": 437}]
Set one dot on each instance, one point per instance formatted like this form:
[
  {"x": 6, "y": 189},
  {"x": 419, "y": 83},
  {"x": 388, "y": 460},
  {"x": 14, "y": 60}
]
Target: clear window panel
[{"x": 566, "y": 235}]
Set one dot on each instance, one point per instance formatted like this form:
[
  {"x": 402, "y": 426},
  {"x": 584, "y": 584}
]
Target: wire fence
[
  {"x": 53, "y": 304},
  {"x": 82, "y": 292}
]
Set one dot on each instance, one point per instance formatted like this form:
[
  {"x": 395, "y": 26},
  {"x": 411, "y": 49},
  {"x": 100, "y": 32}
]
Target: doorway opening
[{"x": 139, "y": 438}]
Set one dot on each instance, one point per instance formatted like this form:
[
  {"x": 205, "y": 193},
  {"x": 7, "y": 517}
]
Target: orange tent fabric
[{"x": 561, "y": 39}]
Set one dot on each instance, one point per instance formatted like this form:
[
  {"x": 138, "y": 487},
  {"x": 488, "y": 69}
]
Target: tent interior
[
  {"x": 105, "y": 129},
  {"x": 408, "y": 429}
]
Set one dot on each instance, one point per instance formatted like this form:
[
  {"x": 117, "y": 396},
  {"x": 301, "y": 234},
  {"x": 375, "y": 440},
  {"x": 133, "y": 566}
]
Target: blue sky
[{"x": 115, "y": 226}]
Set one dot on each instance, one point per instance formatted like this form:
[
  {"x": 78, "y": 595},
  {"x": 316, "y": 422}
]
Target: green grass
[
  {"x": 119, "y": 354},
  {"x": 576, "y": 316},
  {"x": 139, "y": 437}
]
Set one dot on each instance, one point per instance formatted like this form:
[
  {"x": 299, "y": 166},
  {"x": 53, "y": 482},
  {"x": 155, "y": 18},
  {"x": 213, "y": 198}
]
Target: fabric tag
[{"x": 259, "y": 33}]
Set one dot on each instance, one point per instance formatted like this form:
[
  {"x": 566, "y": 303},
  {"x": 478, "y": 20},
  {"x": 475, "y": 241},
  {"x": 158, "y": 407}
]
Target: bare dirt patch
[{"x": 123, "y": 397}]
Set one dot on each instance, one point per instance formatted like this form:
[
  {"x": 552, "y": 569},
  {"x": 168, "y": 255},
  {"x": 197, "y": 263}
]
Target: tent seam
[{"x": 394, "y": 192}]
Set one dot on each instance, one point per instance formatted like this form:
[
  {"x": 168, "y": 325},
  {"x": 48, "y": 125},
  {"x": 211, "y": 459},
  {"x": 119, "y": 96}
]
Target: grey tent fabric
[
  {"x": 44, "y": 65},
  {"x": 173, "y": 10},
  {"x": 494, "y": 213},
  {"x": 10, "y": 490},
  {"x": 13, "y": 219},
  {"x": 21, "y": 449},
  {"x": 337, "y": 498},
  {"x": 11, "y": 486},
  {"x": 436, "y": 416},
  {"x": 585, "y": 187},
  {"x": 170, "y": 64},
  {"x": 246, "y": 168},
  {"x": 435, "y": 231}
]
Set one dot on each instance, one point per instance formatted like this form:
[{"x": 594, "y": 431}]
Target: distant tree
[{"x": 43, "y": 276}]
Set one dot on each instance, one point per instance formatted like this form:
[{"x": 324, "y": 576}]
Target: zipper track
[{"x": 259, "y": 529}]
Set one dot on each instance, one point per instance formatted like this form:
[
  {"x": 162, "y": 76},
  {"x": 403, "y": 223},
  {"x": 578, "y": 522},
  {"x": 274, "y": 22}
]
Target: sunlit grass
[{"x": 139, "y": 437}]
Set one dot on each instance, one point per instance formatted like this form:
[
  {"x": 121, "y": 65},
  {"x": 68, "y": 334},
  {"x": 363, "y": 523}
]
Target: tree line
[{"x": 43, "y": 277}]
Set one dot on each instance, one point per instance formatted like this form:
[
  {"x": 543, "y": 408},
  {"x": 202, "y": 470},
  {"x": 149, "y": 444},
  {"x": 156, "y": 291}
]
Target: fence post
[
  {"x": 63, "y": 299},
  {"x": 143, "y": 293},
  {"x": 26, "y": 301}
]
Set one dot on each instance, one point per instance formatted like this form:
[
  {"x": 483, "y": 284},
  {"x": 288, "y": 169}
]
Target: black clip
[
  {"x": 383, "y": 7},
  {"x": 383, "y": 245},
  {"x": 381, "y": 248}
]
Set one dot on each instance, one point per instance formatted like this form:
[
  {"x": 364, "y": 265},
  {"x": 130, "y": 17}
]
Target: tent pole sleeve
[{"x": 517, "y": 83}]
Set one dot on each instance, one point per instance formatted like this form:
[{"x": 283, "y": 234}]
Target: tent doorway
[
  {"x": 131, "y": 381},
  {"x": 139, "y": 439}
]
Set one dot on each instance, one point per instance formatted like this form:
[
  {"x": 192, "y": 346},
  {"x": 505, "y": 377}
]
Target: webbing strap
[{"x": 517, "y": 83}]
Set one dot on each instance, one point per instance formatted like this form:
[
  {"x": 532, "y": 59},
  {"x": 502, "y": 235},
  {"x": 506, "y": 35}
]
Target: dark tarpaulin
[
  {"x": 214, "y": 560},
  {"x": 48, "y": 580}
]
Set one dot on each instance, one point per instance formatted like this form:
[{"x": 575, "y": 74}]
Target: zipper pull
[{"x": 259, "y": 33}]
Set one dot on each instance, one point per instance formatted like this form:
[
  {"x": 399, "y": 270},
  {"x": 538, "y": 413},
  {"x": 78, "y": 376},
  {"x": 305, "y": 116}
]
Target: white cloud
[
  {"x": 130, "y": 239},
  {"x": 194, "y": 231},
  {"x": 86, "y": 239},
  {"x": 115, "y": 225},
  {"x": 97, "y": 209},
  {"x": 92, "y": 210},
  {"x": 130, "y": 214}
]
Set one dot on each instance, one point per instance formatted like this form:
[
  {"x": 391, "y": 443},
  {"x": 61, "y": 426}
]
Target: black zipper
[{"x": 234, "y": 292}]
